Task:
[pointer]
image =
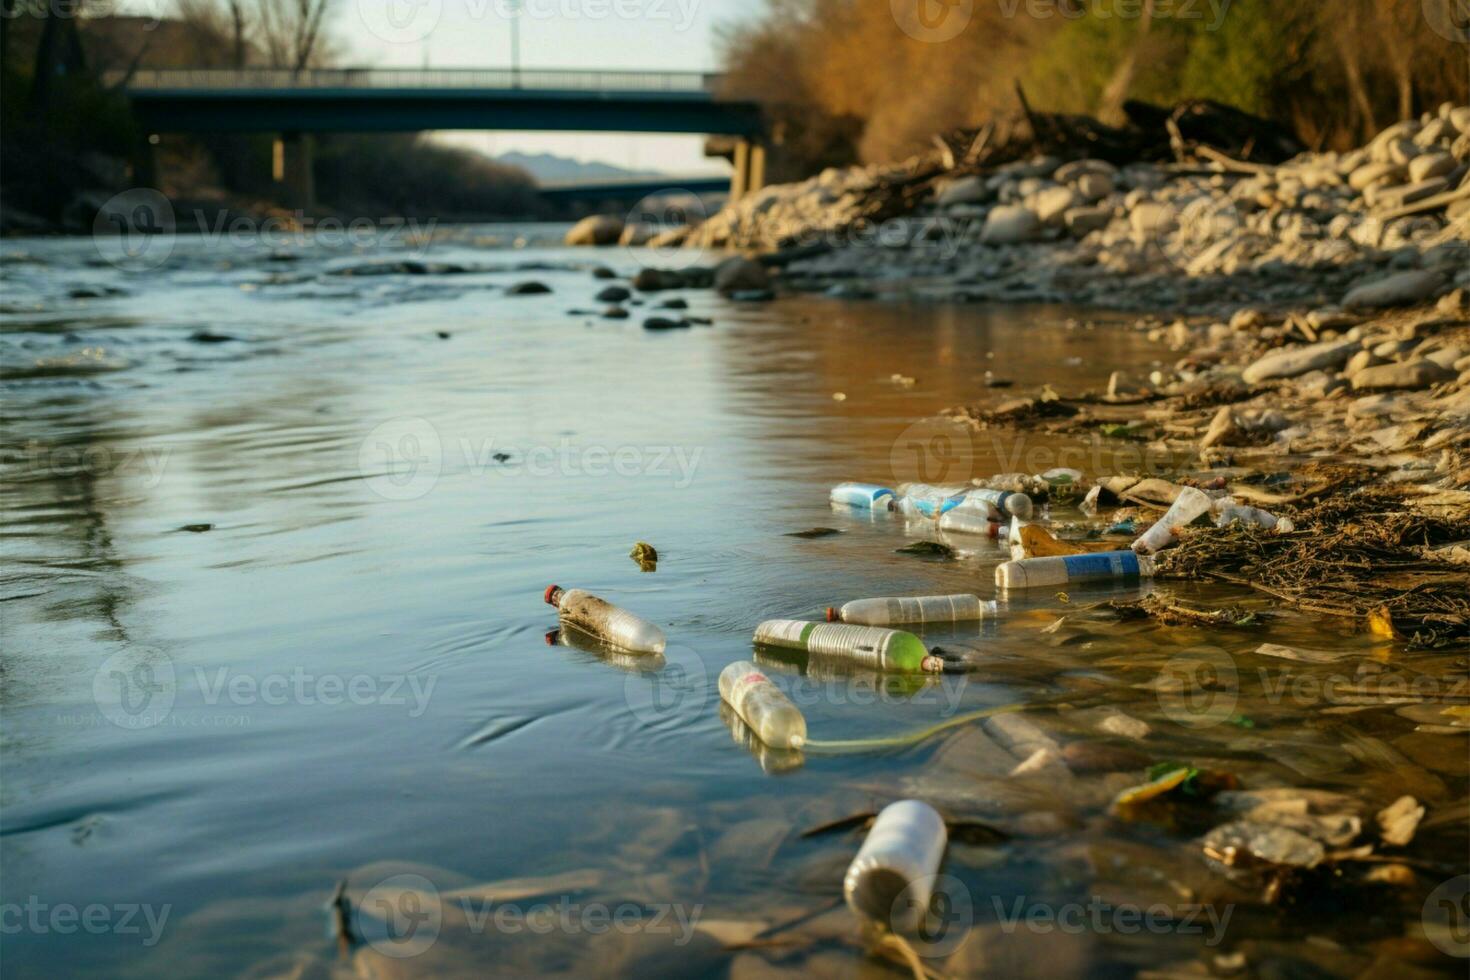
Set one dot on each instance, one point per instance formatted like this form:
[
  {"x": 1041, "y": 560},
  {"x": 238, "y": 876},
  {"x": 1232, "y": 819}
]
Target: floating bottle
[
  {"x": 965, "y": 520},
  {"x": 1105, "y": 566},
  {"x": 1190, "y": 505},
  {"x": 922, "y": 500},
  {"x": 1005, "y": 502},
  {"x": 760, "y": 704},
  {"x": 606, "y": 621},
  {"x": 922, "y": 609},
  {"x": 865, "y": 495},
  {"x": 891, "y": 881},
  {"x": 1227, "y": 512},
  {"x": 866, "y": 646},
  {"x": 574, "y": 639},
  {"x": 772, "y": 761}
]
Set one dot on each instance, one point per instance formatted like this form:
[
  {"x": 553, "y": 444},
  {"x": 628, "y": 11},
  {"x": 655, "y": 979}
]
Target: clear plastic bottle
[
  {"x": 1005, "y": 502},
  {"x": 772, "y": 761},
  {"x": 967, "y": 520},
  {"x": 921, "y": 609},
  {"x": 574, "y": 639},
  {"x": 606, "y": 621},
  {"x": 866, "y": 646},
  {"x": 923, "y": 500},
  {"x": 1190, "y": 505},
  {"x": 761, "y": 705},
  {"x": 1105, "y": 566},
  {"x": 891, "y": 881},
  {"x": 1227, "y": 512},
  {"x": 866, "y": 495}
]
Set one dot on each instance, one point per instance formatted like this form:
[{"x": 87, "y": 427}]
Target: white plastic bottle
[
  {"x": 606, "y": 621},
  {"x": 865, "y": 495},
  {"x": 1106, "y": 566},
  {"x": 923, "y": 500},
  {"x": 1227, "y": 512},
  {"x": 891, "y": 881},
  {"x": 966, "y": 520},
  {"x": 866, "y": 646},
  {"x": 771, "y": 760},
  {"x": 762, "y": 706},
  {"x": 918, "y": 610},
  {"x": 1004, "y": 501},
  {"x": 1191, "y": 504}
]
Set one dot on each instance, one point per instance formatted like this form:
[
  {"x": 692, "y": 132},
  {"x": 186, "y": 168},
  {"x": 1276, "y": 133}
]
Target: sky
[{"x": 666, "y": 35}]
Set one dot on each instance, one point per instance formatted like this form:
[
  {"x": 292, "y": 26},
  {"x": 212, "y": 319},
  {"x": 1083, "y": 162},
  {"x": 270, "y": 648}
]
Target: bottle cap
[
  {"x": 831, "y": 615},
  {"x": 550, "y": 591}
]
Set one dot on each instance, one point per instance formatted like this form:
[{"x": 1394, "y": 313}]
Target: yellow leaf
[
  {"x": 1039, "y": 543},
  {"x": 1380, "y": 623}
]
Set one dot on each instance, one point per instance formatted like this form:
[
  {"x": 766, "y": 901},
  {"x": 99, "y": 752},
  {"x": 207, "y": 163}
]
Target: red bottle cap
[
  {"x": 550, "y": 589},
  {"x": 831, "y": 615}
]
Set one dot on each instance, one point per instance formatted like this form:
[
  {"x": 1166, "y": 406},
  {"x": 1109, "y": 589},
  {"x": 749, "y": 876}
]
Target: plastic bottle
[
  {"x": 1188, "y": 506},
  {"x": 891, "y": 881},
  {"x": 923, "y": 609},
  {"x": 772, "y": 761},
  {"x": 1014, "y": 504},
  {"x": 866, "y": 495},
  {"x": 867, "y": 646},
  {"x": 1227, "y": 512},
  {"x": 761, "y": 705},
  {"x": 606, "y": 621},
  {"x": 574, "y": 639},
  {"x": 965, "y": 520},
  {"x": 1106, "y": 566},
  {"x": 922, "y": 500}
]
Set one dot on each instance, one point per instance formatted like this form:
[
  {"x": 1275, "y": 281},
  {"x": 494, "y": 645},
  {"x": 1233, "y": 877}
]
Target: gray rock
[
  {"x": 1403, "y": 289},
  {"x": 965, "y": 190},
  {"x": 1361, "y": 361},
  {"x": 1069, "y": 173},
  {"x": 599, "y": 229},
  {"x": 1397, "y": 197},
  {"x": 1293, "y": 363},
  {"x": 1053, "y": 204},
  {"x": 1011, "y": 224},
  {"x": 1374, "y": 174},
  {"x": 1411, "y": 375},
  {"x": 614, "y": 294},
  {"x": 1095, "y": 187},
  {"x": 1430, "y": 165},
  {"x": 1082, "y": 222},
  {"x": 1151, "y": 220},
  {"x": 739, "y": 274}
]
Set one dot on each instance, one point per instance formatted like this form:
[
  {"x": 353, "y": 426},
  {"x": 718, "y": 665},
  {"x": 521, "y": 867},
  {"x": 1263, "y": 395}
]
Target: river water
[{"x": 278, "y": 522}]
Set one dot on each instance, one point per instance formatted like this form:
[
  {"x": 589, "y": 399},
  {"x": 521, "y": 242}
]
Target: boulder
[
  {"x": 1069, "y": 173},
  {"x": 1095, "y": 187},
  {"x": 1402, "y": 289},
  {"x": 1082, "y": 222},
  {"x": 614, "y": 294},
  {"x": 1409, "y": 375},
  {"x": 672, "y": 237},
  {"x": 599, "y": 229},
  {"x": 1053, "y": 204},
  {"x": 1373, "y": 174},
  {"x": 1011, "y": 224},
  {"x": 1397, "y": 197},
  {"x": 635, "y": 234},
  {"x": 738, "y": 274},
  {"x": 1430, "y": 165},
  {"x": 1301, "y": 360},
  {"x": 965, "y": 190},
  {"x": 531, "y": 288},
  {"x": 649, "y": 280},
  {"x": 1151, "y": 220}
]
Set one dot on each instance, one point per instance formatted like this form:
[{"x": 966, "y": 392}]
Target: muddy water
[{"x": 277, "y": 537}]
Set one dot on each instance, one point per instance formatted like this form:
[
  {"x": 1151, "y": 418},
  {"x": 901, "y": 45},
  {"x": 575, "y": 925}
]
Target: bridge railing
[{"x": 427, "y": 78}]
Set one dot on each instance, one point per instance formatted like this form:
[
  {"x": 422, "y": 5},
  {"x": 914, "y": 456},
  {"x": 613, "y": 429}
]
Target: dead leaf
[
  {"x": 1380, "y": 623},
  {"x": 1038, "y": 542}
]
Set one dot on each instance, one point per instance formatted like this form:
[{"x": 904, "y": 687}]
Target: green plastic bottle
[{"x": 868, "y": 646}]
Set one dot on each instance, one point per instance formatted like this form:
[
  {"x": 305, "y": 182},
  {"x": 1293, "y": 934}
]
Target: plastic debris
[
  {"x": 868, "y": 646},
  {"x": 1005, "y": 502},
  {"x": 606, "y": 621},
  {"x": 1190, "y": 505},
  {"x": 1105, "y": 566},
  {"x": 1227, "y": 512},
  {"x": 922, "y": 500},
  {"x": 762, "y": 706},
  {"x": 967, "y": 520},
  {"x": 866, "y": 495},
  {"x": 924, "y": 609},
  {"x": 645, "y": 555},
  {"x": 891, "y": 880}
]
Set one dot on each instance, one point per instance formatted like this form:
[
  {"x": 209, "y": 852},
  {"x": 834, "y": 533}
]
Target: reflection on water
[{"x": 341, "y": 669}]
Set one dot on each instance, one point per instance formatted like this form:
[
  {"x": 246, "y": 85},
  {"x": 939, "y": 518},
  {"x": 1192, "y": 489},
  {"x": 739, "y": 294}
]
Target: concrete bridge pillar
[
  {"x": 291, "y": 161},
  {"x": 750, "y": 169}
]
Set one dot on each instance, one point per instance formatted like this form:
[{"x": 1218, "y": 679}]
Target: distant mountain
[{"x": 548, "y": 167}]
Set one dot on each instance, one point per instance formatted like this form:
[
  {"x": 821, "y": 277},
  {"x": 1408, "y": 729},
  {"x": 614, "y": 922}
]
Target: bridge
[
  {"x": 631, "y": 189},
  {"x": 296, "y": 104}
]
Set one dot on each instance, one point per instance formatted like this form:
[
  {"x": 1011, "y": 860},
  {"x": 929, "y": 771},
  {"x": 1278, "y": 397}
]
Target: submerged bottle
[
  {"x": 922, "y": 500},
  {"x": 1190, "y": 505},
  {"x": 1105, "y": 566},
  {"x": 867, "y": 646},
  {"x": 965, "y": 520},
  {"x": 891, "y": 881},
  {"x": 866, "y": 495},
  {"x": 1227, "y": 512},
  {"x": 922, "y": 609},
  {"x": 1004, "y": 501},
  {"x": 768, "y": 712},
  {"x": 606, "y": 621}
]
